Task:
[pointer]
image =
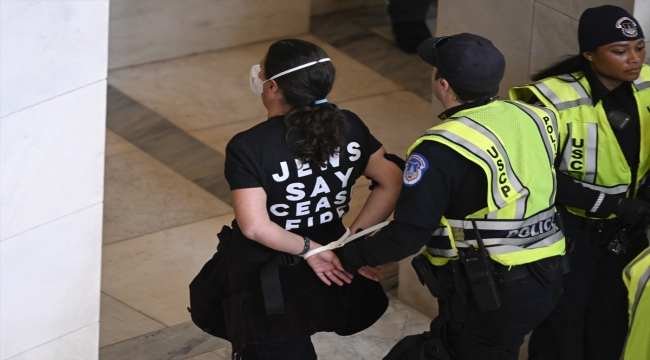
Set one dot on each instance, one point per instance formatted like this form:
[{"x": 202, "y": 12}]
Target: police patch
[
  {"x": 415, "y": 167},
  {"x": 627, "y": 26}
]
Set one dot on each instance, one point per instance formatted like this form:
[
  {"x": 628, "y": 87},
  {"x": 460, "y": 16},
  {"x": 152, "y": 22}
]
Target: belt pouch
[{"x": 547, "y": 271}]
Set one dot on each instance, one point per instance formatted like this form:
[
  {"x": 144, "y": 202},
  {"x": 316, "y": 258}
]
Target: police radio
[
  {"x": 618, "y": 120},
  {"x": 479, "y": 273}
]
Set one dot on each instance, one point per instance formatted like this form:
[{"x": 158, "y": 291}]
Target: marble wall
[
  {"x": 144, "y": 31},
  {"x": 321, "y": 7},
  {"x": 531, "y": 33},
  {"x": 53, "y": 68}
]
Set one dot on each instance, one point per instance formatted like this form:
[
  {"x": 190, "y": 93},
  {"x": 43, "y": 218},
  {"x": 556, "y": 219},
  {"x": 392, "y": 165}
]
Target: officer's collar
[
  {"x": 598, "y": 89},
  {"x": 451, "y": 111}
]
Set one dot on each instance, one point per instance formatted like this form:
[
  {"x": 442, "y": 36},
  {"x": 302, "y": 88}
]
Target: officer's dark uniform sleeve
[
  {"x": 418, "y": 212},
  {"x": 572, "y": 193}
]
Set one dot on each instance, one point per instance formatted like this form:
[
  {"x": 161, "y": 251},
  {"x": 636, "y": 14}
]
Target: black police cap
[{"x": 467, "y": 61}]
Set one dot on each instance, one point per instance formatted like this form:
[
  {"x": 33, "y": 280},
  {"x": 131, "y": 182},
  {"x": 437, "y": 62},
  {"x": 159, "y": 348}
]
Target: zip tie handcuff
[{"x": 346, "y": 238}]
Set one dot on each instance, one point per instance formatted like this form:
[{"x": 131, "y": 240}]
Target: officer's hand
[
  {"x": 375, "y": 274},
  {"x": 631, "y": 211}
]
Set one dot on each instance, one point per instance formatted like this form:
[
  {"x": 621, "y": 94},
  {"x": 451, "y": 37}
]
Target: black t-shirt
[{"x": 301, "y": 198}]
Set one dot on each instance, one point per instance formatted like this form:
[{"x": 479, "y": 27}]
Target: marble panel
[
  {"x": 118, "y": 322},
  {"x": 52, "y": 159},
  {"x": 212, "y": 89},
  {"x": 575, "y": 8},
  {"x": 50, "y": 48},
  {"x": 78, "y": 345},
  {"x": 116, "y": 144},
  {"x": 396, "y": 119},
  {"x": 412, "y": 292},
  {"x": 555, "y": 35},
  {"x": 178, "y": 342},
  {"x": 144, "y": 196},
  {"x": 151, "y": 273},
  {"x": 321, "y": 7},
  {"x": 168, "y": 28},
  {"x": 53, "y": 271},
  {"x": 507, "y": 23},
  {"x": 642, "y": 14}
]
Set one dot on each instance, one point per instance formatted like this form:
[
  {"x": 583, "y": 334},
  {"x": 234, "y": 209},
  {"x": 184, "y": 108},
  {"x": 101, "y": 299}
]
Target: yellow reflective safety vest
[
  {"x": 515, "y": 144},
  {"x": 590, "y": 153},
  {"x": 637, "y": 279}
]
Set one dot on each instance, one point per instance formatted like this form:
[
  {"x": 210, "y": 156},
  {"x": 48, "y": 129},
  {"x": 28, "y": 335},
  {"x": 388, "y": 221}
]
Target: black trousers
[
  {"x": 295, "y": 349},
  {"x": 408, "y": 10},
  {"x": 497, "y": 335},
  {"x": 590, "y": 321}
]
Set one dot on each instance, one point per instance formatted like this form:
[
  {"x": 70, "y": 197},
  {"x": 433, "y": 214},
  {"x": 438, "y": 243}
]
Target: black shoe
[{"x": 408, "y": 35}]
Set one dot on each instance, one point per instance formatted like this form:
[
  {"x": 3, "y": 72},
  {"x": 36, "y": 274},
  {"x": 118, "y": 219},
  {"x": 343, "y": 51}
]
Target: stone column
[{"x": 53, "y": 66}]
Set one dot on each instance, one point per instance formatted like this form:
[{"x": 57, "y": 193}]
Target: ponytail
[
  {"x": 567, "y": 65},
  {"x": 315, "y": 132},
  {"x": 315, "y": 128}
]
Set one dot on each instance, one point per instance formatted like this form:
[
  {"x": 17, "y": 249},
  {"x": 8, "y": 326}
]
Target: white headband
[{"x": 298, "y": 68}]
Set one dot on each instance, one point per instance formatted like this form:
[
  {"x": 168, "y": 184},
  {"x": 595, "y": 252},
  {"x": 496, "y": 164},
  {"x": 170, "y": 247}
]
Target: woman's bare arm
[
  {"x": 255, "y": 224},
  {"x": 381, "y": 202}
]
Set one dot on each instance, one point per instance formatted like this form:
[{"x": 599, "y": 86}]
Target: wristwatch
[{"x": 307, "y": 245}]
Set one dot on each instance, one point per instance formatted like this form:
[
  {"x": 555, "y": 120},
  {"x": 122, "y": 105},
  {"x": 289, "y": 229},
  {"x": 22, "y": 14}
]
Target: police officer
[
  {"x": 637, "y": 279},
  {"x": 602, "y": 97},
  {"x": 486, "y": 171}
]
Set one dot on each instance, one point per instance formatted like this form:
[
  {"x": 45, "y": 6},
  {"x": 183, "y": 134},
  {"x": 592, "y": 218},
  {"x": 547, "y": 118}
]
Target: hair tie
[{"x": 318, "y": 102}]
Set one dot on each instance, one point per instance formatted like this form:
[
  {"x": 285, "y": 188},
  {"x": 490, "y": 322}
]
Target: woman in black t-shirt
[{"x": 291, "y": 179}]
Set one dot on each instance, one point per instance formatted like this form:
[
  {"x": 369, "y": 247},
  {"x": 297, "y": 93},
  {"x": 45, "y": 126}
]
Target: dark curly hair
[{"x": 314, "y": 132}]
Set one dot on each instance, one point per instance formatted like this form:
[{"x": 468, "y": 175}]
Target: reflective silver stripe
[
  {"x": 546, "y": 91},
  {"x": 598, "y": 202},
  {"x": 541, "y": 126},
  {"x": 639, "y": 291},
  {"x": 616, "y": 190},
  {"x": 639, "y": 84},
  {"x": 557, "y": 102},
  {"x": 566, "y": 156},
  {"x": 441, "y": 231},
  {"x": 503, "y": 224},
  {"x": 507, "y": 241},
  {"x": 575, "y": 84},
  {"x": 498, "y": 199},
  {"x": 544, "y": 133},
  {"x": 505, "y": 249},
  {"x": 628, "y": 268},
  {"x": 518, "y": 187},
  {"x": 591, "y": 152}
]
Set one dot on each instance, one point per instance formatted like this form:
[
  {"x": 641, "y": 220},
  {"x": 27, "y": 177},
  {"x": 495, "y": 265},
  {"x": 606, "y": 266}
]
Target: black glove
[
  {"x": 390, "y": 157},
  {"x": 632, "y": 211}
]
